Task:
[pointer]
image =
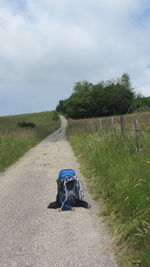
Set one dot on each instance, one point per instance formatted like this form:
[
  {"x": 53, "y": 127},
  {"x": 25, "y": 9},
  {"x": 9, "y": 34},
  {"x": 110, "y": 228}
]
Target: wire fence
[{"x": 137, "y": 125}]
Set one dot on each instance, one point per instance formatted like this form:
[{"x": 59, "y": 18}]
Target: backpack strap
[{"x": 65, "y": 206}]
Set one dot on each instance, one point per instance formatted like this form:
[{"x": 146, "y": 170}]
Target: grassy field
[
  {"x": 119, "y": 177},
  {"x": 15, "y": 141}
]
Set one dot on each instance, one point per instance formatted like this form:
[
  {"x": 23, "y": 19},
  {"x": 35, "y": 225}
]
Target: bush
[
  {"x": 55, "y": 116},
  {"x": 26, "y": 124}
]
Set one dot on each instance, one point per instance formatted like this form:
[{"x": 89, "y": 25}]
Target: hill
[{"x": 16, "y": 140}]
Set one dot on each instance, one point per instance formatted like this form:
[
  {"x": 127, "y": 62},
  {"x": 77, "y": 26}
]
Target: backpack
[{"x": 70, "y": 189}]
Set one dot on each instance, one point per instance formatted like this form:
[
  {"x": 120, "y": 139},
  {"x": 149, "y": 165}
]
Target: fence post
[
  {"x": 105, "y": 126},
  {"x": 112, "y": 126},
  {"x": 137, "y": 135},
  {"x": 90, "y": 125},
  {"x": 94, "y": 125},
  {"x": 122, "y": 125},
  {"x": 100, "y": 123}
]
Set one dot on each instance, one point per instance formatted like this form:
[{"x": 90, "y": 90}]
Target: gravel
[{"x": 32, "y": 235}]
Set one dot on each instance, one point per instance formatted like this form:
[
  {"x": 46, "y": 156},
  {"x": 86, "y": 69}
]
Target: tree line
[{"x": 112, "y": 97}]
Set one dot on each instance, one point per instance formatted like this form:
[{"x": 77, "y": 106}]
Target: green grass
[
  {"x": 119, "y": 177},
  {"x": 15, "y": 141}
]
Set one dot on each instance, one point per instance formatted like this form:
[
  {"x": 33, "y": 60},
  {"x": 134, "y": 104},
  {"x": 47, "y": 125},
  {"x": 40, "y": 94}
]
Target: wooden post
[
  {"x": 94, "y": 125},
  {"x": 112, "y": 126},
  {"x": 137, "y": 135},
  {"x": 90, "y": 125},
  {"x": 106, "y": 130},
  {"x": 122, "y": 127},
  {"x": 100, "y": 123},
  {"x": 97, "y": 125}
]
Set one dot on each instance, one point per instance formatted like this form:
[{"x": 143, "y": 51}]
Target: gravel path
[{"x": 32, "y": 235}]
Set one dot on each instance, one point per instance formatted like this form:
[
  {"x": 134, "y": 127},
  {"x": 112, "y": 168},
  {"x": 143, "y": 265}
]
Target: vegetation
[
  {"x": 103, "y": 99},
  {"x": 142, "y": 103},
  {"x": 119, "y": 176},
  {"x": 25, "y": 124},
  {"x": 15, "y": 141}
]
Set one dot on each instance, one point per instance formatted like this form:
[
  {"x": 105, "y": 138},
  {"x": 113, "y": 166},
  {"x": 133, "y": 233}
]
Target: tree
[
  {"x": 125, "y": 80},
  {"x": 103, "y": 99},
  {"x": 82, "y": 87},
  {"x": 141, "y": 103},
  {"x": 61, "y": 107}
]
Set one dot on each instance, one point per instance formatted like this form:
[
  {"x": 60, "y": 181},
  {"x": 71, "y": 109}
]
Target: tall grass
[
  {"x": 119, "y": 176},
  {"x": 15, "y": 141}
]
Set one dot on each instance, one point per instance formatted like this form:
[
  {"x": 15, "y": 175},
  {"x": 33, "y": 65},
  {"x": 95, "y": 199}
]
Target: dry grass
[
  {"x": 120, "y": 176},
  {"x": 15, "y": 141}
]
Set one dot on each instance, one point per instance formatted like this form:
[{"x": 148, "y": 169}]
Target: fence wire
[{"x": 124, "y": 126}]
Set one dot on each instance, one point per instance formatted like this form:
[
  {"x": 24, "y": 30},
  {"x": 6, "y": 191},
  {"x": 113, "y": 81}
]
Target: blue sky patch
[
  {"x": 144, "y": 17},
  {"x": 18, "y": 6}
]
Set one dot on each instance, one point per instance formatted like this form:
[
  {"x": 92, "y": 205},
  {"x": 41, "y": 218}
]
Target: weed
[
  {"x": 120, "y": 176},
  {"x": 15, "y": 141}
]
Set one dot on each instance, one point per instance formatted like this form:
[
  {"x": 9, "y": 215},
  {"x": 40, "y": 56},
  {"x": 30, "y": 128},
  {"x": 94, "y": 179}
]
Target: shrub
[{"x": 26, "y": 124}]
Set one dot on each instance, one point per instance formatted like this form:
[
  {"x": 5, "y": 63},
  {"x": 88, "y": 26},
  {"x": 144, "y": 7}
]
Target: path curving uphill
[{"x": 34, "y": 236}]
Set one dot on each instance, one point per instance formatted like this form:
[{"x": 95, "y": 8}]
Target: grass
[
  {"x": 15, "y": 141},
  {"x": 119, "y": 177}
]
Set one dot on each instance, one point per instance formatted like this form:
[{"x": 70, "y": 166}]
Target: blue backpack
[{"x": 70, "y": 189}]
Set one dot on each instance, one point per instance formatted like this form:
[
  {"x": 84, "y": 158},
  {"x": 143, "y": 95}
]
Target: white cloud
[{"x": 47, "y": 45}]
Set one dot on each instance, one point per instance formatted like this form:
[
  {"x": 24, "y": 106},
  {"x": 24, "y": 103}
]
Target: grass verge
[
  {"x": 15, "y": 141},
  {"x": 120, "y": 177}
]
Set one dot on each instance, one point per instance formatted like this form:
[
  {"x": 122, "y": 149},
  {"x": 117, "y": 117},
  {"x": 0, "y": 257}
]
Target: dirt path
[{"x": 32, "y": 235}]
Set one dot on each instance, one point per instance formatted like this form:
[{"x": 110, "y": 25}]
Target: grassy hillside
[
  {"x": 119, "y": 177},
  {"x": 15, "y": 141}
]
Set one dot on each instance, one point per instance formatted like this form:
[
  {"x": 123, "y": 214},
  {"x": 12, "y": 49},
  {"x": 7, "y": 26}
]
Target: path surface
[{"x": 32, "y": 235}]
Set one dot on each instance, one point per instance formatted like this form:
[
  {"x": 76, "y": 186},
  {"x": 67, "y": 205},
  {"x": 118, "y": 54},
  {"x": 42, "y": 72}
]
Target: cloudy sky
[{"x": 48, "y": 45}]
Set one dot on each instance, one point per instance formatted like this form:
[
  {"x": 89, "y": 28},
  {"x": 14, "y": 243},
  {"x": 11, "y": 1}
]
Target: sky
[{"x": 46, "y": 46}]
